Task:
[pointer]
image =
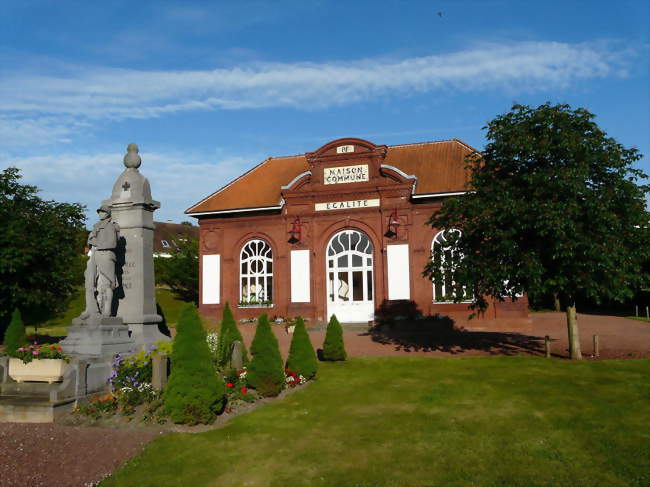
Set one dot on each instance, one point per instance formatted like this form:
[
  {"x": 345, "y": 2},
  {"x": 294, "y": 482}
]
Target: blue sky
[{"x": 209, "y": 89}]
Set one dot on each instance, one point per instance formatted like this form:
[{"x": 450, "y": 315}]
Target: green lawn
[
  {"x": 56, "y": 327},
  {"x": 640, "y": 318},
  {"x": 171, "y": 306},
  {"x": 506, "y": 421}
]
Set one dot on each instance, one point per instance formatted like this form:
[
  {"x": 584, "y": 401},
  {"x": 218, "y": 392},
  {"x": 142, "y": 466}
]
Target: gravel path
[
  {"x": 54, "y": 455},
  {"x": 619, "y": 338}
]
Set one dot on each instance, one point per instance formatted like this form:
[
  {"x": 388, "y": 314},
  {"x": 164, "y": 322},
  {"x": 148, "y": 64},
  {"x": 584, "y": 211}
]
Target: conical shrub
[
  {"x": 15, "y": 334},
  {"x": 228, "y": 334},
  {"x": 265, "y": 370},
  {"x": 302, "y": 358},
  {"x": 195, "y": 393},
  {"x": 333, "y": 348}
]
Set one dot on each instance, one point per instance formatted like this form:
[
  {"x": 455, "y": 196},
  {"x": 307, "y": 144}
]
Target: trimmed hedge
[
  {"x": 228, "y": 334},
  {"x": 194, "y": 394},
  {"x": 302, "y": 358},
  {"x": 333, "y": 347},
  {"x": 265, "y": 370},
  {"x": 15, "y": 334}
]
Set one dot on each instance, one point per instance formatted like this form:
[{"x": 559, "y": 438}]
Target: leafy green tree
[
  {"x": 195, "y": 393},
  {"x": 333, "y": 347},
  {"x": 555, "y": 209},
  {"x": 15, "y": 335},
  {"x": 228, "y": 334},
  {"x": 265, "y": 370},
  {"x": 39, "y": 250},
  {"x": 180, "y": 271},
  {"x": 302, "y": 358}
]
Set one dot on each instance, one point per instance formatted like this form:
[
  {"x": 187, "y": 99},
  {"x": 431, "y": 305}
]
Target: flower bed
[{"x": 134, "y": 397}]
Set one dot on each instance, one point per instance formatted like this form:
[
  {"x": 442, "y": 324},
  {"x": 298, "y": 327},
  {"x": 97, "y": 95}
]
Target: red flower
[
  {"x": 244, "y": 390},
  {"x": 229, "y": 384}
]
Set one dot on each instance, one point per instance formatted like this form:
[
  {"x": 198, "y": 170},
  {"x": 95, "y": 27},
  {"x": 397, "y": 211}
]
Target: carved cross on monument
[{"x": 126, "y": 186}]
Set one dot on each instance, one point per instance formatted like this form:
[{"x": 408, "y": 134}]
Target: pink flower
[
  {"x": 21, "y": 349},
  {"x": 35, "y": 352}
]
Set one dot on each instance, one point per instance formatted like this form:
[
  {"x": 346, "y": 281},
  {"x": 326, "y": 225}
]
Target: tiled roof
[
  {"x": 439, "y": 167},
  {"x": 166, "y": 235}
]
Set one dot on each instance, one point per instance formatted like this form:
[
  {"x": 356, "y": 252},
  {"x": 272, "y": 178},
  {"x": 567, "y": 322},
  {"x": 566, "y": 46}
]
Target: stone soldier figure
[{"x": 100, "y": 275}]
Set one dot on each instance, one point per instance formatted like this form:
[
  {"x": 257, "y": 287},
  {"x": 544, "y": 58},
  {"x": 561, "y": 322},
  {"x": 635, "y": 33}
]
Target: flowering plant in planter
[{"x": 40, "y": 352}]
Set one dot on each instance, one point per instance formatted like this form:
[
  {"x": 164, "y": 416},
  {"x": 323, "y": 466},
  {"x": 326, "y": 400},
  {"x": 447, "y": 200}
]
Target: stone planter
[{"x": 44, "y": 370}]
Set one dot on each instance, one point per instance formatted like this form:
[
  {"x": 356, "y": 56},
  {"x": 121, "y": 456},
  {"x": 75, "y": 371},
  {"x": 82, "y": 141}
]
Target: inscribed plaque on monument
[{"x": 345, "y": 174}]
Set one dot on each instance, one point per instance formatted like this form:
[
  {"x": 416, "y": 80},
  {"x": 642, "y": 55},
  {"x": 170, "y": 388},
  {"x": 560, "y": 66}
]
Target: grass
[
  {"x": 171, "y": 306},
  {"x": 640, "y": 318},
  {"x": 57, "y": 327},
  {"x": 507, "y": 421}
]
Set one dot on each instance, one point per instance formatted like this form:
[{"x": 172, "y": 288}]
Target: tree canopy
[
  {"x": 180, "y": 271},
  {"x": 554, "y": 206},
  {"x": 40, "y": 249}
]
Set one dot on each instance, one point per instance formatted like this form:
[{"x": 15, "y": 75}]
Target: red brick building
[{"x": 339, "y": 230}]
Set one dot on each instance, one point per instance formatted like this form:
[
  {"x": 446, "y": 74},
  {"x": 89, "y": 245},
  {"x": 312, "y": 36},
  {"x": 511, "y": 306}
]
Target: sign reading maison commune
[
  {"x": 346, "y": 205},
  {"x": 345, "y": 174}
]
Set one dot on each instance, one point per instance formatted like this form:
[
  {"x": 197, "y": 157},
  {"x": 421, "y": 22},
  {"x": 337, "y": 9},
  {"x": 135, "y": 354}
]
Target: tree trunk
[
  {"x": 574, "y": 336},
  {"x": 556, "y": 302}
]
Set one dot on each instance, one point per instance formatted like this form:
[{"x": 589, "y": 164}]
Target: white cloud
[
  {"x": 177, "y": 180},
  {"x": 47, "y": 108}
]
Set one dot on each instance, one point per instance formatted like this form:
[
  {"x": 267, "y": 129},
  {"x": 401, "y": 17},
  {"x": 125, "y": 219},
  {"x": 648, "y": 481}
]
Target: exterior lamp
[
  {"x": 393, "y": 225},
  {"x": 296, "y": 231}
]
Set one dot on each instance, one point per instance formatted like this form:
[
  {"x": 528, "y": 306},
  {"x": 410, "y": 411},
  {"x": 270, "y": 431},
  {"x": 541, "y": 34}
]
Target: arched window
[
  {"x": 447, "y": 289},
  {"x": 256, "y": 273}
]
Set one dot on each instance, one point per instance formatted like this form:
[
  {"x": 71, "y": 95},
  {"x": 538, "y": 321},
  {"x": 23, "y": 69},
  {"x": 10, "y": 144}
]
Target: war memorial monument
[{"x": 120, "y": 303}]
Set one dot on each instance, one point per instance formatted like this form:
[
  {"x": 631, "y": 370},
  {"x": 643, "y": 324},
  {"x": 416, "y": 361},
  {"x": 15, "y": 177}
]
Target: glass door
[{"x": 350, "y": 283}]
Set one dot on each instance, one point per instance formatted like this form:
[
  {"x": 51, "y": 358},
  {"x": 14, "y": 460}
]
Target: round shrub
[
  {"x": 302, "y": 357},
  {"x": 228, "y": 334},
  {"x": 15, "y": 334},
  {"x": 194, "y": 393},
  {"x": 265, "y": 370},
  {"x": 333, "y": 348}
]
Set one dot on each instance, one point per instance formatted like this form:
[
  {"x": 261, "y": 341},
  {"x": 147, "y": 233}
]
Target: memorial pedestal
[{"x": 98, "y": 335}]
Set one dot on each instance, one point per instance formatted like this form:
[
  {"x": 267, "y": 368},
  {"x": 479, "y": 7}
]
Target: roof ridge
[{"x": 423, "y": 143}]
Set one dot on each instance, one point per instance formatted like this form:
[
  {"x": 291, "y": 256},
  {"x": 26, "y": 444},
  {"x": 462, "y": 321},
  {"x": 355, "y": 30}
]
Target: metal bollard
[{"x": 596, "y": 347}]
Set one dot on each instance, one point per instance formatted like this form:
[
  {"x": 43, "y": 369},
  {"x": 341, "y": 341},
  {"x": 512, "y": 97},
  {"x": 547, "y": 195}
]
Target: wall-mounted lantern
[
  {"x": 296, "y": 231},
  {"x": 393, "y": 224}
]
